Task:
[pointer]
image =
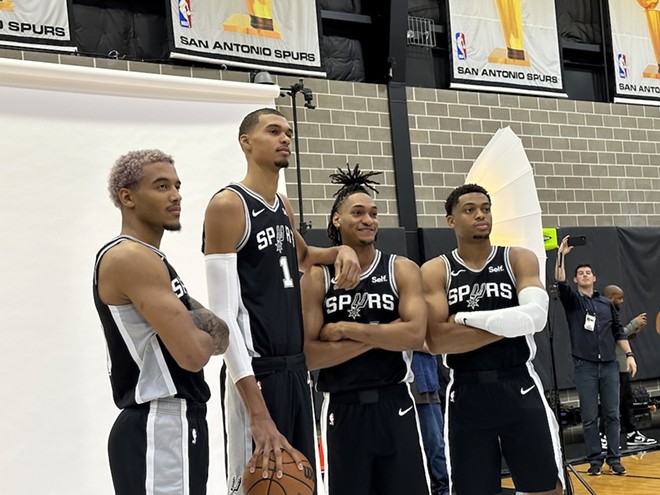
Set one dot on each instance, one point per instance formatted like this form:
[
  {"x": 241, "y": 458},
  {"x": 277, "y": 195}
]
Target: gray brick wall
[{"x": 595, "y": 164}]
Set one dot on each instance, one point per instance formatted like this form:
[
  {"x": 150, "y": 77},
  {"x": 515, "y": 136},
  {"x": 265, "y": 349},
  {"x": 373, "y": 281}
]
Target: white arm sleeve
[
  {"x": 527, "y": 318},
  {"x": 224, "y": 292}
]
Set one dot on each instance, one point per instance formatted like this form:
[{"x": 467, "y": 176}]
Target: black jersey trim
[
  {"x": 248, "y": 223},
  {"x": 390, "y": 271},
  {"x": 372, "y": 266},
  {"x": 118, "y": 240},
  {"x": 509, "y": 267},
  {"x": 274, "y": 207},
  {"x": 493, "y": 253}
]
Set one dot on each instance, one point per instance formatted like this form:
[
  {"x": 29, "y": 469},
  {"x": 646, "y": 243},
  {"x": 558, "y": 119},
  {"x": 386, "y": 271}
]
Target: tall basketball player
[
  {"x": 361, "y": 339},
  {"x": 158, "y": 338},
  {"x": 485, "y": 303},
  {"x": 253, "y": 258}
]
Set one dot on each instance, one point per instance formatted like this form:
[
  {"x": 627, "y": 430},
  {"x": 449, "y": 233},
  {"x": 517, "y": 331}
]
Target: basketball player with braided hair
[
  {"x": 485, "y": 304},
  {"x": 253, "y": 257},
  {"x": 361, "y": 340}
]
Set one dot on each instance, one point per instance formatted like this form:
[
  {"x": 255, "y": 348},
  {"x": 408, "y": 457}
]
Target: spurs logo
[
  {"x": 359, "y": 301},
  {"x": 279, "y": 239},
  {"x": 478, "y": 291},
  {"x": 236, "y": 482}
]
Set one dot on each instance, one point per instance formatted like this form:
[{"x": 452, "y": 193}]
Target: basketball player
[
  {"x": 158, "y": 338},
  {"x": 253, "y": 258},
  {"x": 361, "y": 339},
  {"x": 485, "y": 303}
]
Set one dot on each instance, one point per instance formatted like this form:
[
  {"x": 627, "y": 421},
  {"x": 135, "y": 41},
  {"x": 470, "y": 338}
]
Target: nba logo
[
  {"x": 461, "y": 46},
  {"x": 622, "y": 65},
  {"x": 185, "y": 16}
]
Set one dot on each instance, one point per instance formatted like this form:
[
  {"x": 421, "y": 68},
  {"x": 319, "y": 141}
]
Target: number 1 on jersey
[{"x": 287, "y": 280}]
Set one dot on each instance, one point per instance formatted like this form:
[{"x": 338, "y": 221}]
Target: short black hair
[
  {"x": 584, "y": 265},
  {"x": 453, "y": 197},
  {"x": 251, "y": 119}
]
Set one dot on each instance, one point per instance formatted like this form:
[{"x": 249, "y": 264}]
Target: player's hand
[
  {"x": 631, "y": 366},
  {"x": 641, "y": 321},
  {"x": 331, "y": 332},
  {"x": 564, "y": 248},
  {"x": 347, "y": 269},
  {"x": 267, "y": 439}
]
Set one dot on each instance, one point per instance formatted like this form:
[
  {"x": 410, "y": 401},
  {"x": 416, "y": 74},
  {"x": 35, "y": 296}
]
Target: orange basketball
[{"x": 292, "y": 482}]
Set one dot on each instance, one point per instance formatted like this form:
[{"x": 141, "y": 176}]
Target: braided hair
[{"x": 353, "y": 181}]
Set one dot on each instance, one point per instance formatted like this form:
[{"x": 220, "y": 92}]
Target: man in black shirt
[{"x": 595, "y": 330}]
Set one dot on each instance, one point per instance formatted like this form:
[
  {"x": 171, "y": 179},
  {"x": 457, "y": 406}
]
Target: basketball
[{"x": 292, "y": 482}]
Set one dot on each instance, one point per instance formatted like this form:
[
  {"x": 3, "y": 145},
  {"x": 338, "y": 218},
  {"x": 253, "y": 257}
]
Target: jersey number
[{"x": 287, "y": 280}]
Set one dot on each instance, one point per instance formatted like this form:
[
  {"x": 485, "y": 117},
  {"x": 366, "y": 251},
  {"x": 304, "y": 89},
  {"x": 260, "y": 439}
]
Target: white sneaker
[{"x": 637, "y": 439}]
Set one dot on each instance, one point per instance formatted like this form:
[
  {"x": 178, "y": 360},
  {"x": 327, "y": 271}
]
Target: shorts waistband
[
  {"x": 173, "y": 405},
  {"x": 279, "y": 363},
  {"x": 370, "y": 395},
  {"x": 490, "y": 376}
]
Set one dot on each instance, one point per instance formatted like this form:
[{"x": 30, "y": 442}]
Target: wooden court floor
[{"x": 642, "y": 477}]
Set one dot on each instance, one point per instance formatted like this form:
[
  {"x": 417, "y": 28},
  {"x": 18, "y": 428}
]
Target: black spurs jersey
[
  {"x": 492, "y": 287},
  {"x": 270, "y": 313},
  {"x": 141, "y": 368},
  {"x": 375, "y": 300}
]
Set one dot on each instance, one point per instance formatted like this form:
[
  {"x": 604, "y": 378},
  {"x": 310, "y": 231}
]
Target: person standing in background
[
  {"x": 595, "y": 331},
  {"x": 426, "y": 388},
  {"x": 634, "y": 438}
]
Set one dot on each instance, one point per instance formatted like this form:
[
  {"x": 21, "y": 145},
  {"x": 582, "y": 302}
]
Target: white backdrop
[{"x": 56, "y": 149}]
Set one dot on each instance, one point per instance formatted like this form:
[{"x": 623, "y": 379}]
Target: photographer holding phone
[{"x": 595, "y": 330}]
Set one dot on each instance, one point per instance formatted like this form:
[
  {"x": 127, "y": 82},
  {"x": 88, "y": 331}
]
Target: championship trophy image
[
  {"x": 510, "y": 14},
  {"x": 7, "y": 5},
  {"x": 652, "y": 71},
  {"x": 258, "y": 21}
]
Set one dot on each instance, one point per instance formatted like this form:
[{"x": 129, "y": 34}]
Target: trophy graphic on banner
[
  {"x": 258, "y": 22},
  {"x": 510, "y": 14},
  {"x": 653, "y": 23},
  {"x": 7, "y": 5}
]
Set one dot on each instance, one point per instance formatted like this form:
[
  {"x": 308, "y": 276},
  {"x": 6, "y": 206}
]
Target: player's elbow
[{"x": 195, "y": 358}]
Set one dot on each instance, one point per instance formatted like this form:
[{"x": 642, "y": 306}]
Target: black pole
[{"x": 299, "y": 87}]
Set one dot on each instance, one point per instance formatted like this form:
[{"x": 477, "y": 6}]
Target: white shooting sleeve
[
  {"x": 527, "y": 318},
  {"x": 224, "y": 293}
]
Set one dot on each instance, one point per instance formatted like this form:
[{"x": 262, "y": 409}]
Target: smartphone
[{"x": 577, "y": 240}]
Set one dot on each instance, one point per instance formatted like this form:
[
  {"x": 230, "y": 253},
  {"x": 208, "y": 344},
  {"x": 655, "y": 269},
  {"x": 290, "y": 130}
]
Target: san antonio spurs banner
[
  {"x": 505, "y": 46},
  {"x": 636, "y": 50},
  {"x": 38, "y": 24},
  {"x": 281, "y": 35}
]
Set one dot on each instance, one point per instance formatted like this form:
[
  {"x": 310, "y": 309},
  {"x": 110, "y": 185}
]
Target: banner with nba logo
[
  {"x": 505, "y": 46},
  {"x": 36, "y": 24},
  {"x": 278, "y": 35},
  {"x": 636, "y": 50}
]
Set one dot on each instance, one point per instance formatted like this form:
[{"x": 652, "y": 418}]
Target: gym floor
[{"x": 642, "y": 465}]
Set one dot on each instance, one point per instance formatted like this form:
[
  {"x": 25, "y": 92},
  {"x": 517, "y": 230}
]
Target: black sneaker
[
  {"x": 637, "y": 439},
  {"x": 594, "y": 470},
  {"x": 617, "y": 468}
]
